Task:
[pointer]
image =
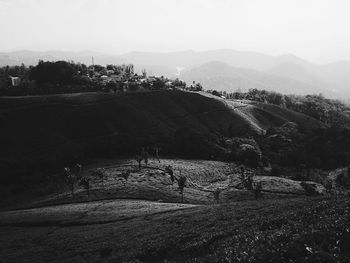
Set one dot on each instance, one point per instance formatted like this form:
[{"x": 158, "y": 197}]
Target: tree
[
  {"x": 70, "y": 179},
  {"x": 181, "y": 184},
  {"x": 85, "y": 182},
  {"x": 169, "y": 170},
  {"x": 157, "y": 149},
  {"x": 59, "y": 72},
  {"x": 98, "y": 172},
  {"x": 144, "y": 73},
  {"x": 343, "y": 178},
  {"x": 144, "y": 155},
  {"x": 138, "y": 158},
  {"x": 125, "y": 174},
  {"x": 247, "y": 180},
  {"x": 216, "y": 93},
  {"x": 77, "y": 170},
  {"x": 257, "y": 190},
  {"x": 217, "y": 195}
]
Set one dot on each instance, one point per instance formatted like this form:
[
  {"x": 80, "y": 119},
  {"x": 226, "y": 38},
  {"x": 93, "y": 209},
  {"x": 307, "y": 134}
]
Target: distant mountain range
[
  {"x": 223, "y": 77},
  {"x": 222, "y": 69}
]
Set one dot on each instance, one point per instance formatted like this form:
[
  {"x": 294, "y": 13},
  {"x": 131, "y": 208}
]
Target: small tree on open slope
[
  {"x": 182, "y": 183},
  {"x": 98, "y": 172},
  {"x": 85, "y": 183},
  {"x": 217, "y": 195},
  {"x": 247, "y": 180},
  {"x": 257, "y": 188},
  {"x": 157, "y": 149},
  {"x": 125, "y": 175},
  {"x": 77, "y": 170},
  {"x": 70, "y": 179},
  {"x": 138, "y": 158},
  {"x": 169, "y": 170}
]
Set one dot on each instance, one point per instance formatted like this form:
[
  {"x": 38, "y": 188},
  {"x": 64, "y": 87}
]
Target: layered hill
[{"x": 223, "y": 77}]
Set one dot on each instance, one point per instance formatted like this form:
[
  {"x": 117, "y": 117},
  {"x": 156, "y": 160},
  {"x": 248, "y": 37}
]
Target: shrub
[
  {"x": 343, "y": 179},
  {"x": 217, "y": 195},
  {"x": 257, "y": 189},
  {"x": 309, "y": 188},
  {"x": 249, "y": 155},
  {"x": 276, "y": 171}
]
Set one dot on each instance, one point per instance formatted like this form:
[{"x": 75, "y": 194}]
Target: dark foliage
[
  {"x": 343, "y": 179},
  {"x": 310, "y": 188}
]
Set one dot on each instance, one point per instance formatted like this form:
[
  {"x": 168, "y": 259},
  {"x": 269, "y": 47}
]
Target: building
[{"x": 15, "y": 81}]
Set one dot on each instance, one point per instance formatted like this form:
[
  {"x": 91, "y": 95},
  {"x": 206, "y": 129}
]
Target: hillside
[{"x": 46, "y": 132}]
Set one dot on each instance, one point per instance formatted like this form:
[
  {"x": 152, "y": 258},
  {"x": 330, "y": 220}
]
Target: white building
[{"x": 15, "y": 81}]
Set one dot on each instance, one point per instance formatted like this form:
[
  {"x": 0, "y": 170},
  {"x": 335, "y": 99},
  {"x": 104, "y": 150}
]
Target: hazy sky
[{"x": 318, "y": 30}]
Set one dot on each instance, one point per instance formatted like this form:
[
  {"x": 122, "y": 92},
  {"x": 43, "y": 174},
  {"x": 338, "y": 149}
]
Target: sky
[{"x": 317, "y": 30}]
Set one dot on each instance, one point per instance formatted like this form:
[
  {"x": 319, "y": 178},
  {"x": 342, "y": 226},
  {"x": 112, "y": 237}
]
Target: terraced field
[{"x": 152, "y": 183}]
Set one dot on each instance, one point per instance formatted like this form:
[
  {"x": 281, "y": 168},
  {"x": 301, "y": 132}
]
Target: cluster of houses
[{"x": 123, "y": 79}]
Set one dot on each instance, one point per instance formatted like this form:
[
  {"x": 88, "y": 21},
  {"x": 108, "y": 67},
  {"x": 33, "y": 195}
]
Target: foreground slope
[{"x": 287, "y": 230}]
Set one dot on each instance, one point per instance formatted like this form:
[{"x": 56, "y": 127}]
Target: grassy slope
[
  {"x": 253, "y": 231},
  {"x": 45, "y": 133},
  {"x": 261, "y": 116},
  {"x": 50, "y": 126},
  {"x": 45, "y": 126}
]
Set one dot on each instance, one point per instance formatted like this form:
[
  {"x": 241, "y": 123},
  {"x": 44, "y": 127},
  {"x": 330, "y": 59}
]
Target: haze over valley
[{"x": 223, "y": 70}]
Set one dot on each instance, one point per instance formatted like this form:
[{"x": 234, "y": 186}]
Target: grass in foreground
[{"x": 286, "y": 230}]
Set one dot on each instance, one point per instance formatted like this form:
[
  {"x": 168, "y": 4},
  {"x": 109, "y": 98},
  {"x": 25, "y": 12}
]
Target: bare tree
[
  {"x": 144, "y": 155},
  {"x": 70, "y": 179},
  {"x": 157, "y": 149},
  {"x": 138, "y": 158}
]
